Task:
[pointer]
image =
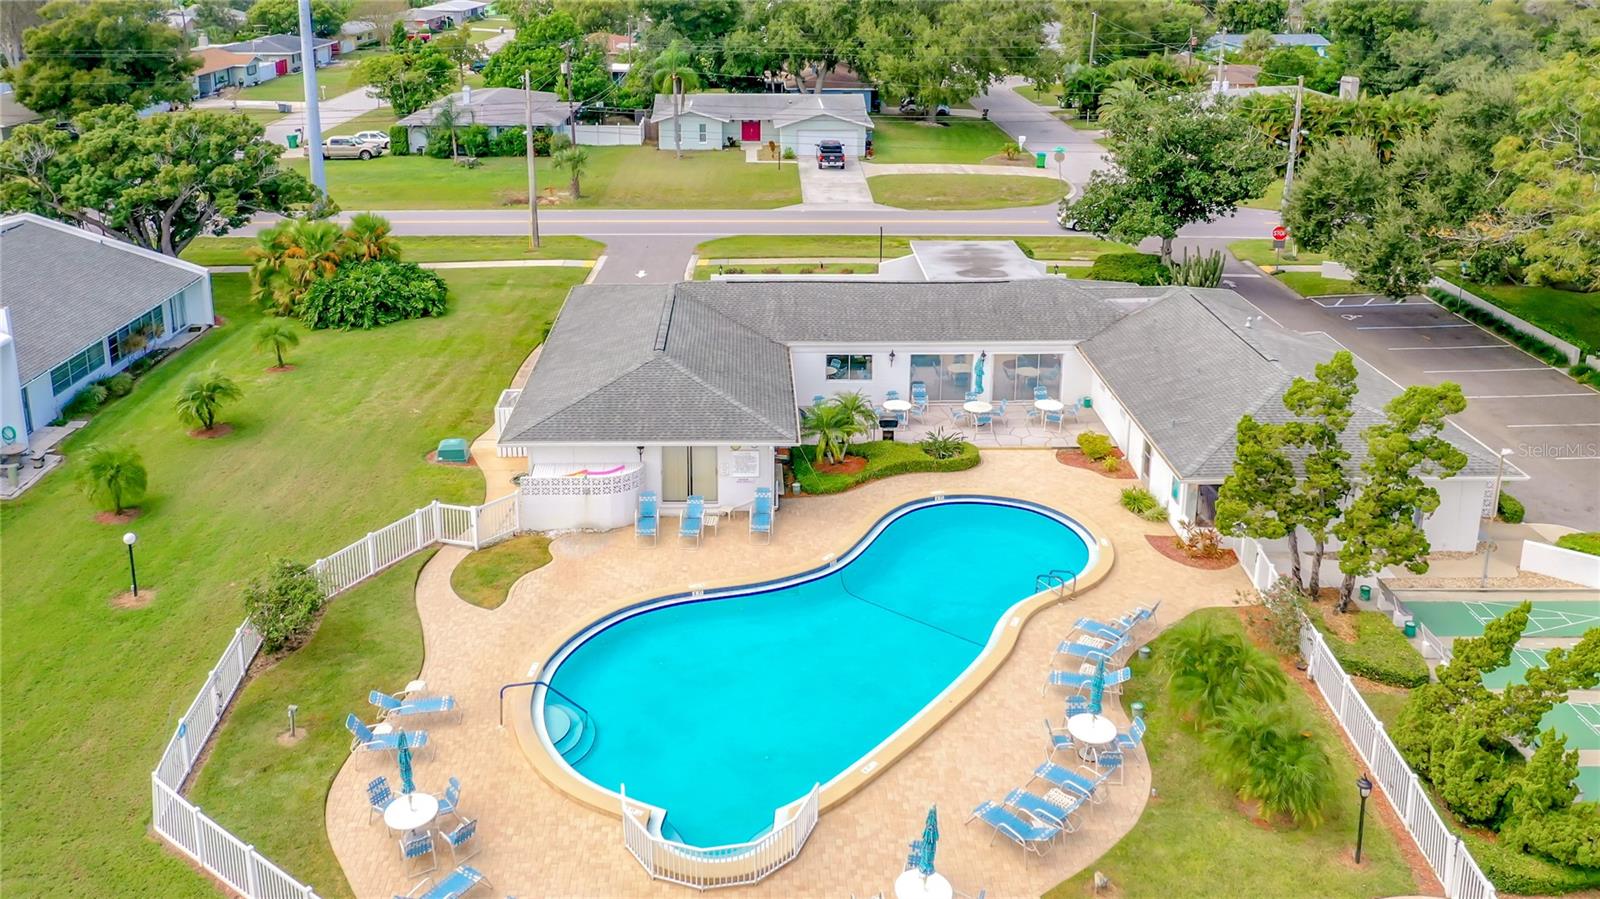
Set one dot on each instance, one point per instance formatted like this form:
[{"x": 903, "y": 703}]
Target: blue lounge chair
[
  {"x": 1090, "y": 627},
  {"x": 367, "y": 741},
  {"x": 693, "y": 521},
  {"x": 647, "y": 519},
  {"x": 1080, "y": 680},
  {"x": 463, "y": 840},
  {"x": 450, "y": 802},
  {"x": 455, "y": 884},
  {"x": 1059, "y": 740},
  {"x": 1091, "y": 653},
  {"x": 1043, "y": 810},
  {"x": 378, "y": 797},
  {"x": 401, "y": 708},
  {"x": 761, "y": 514},
  {"x": 1027, "y": 834},
  {"x": 1085, "y": 785},
  {"x": 416, "y": 848}
]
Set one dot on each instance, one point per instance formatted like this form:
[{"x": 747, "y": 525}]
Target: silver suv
[
  {"x": 349, "y": 148},
  {"x": 379, "y": 138}
]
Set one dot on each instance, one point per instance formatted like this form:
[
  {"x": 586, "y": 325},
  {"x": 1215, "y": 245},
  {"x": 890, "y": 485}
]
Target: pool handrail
[{"x": 539, "y": 683}]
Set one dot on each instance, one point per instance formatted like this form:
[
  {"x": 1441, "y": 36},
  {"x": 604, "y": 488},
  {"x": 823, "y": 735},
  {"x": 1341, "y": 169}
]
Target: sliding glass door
[
  {"x": 687, "y": 471},
  {"x": 1015, "y": 375},
  {"x": 948, "y": 376}
]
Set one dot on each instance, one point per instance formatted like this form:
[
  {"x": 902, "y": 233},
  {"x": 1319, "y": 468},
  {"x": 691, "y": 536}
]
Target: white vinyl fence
[
  {"x": 1445, "y": 852},
  {"x": 610, "y": 135},
  {"x": 174, "y": 818},
  {"x": 720, "y": 866}
]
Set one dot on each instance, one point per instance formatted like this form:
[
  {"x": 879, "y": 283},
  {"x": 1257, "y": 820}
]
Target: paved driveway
[
  {"x": 834, "y": 188},
  {"x": 1018, "y": 116}
]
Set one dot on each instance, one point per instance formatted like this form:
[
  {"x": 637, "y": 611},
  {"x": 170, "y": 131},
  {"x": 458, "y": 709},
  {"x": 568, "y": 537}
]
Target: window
[
  {"x": 688, "y": 471},
  {"x": 702, "y": 132},
  {"x": 147, "y": 327},
  {"x": 1144, "y": 462},
  {"x": 251, "y": 69},
  {"x": 70, "y": 372},
  {"x": 843, "y": 367}
]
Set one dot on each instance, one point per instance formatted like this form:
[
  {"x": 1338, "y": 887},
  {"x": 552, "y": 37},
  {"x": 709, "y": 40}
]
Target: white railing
[
  {"x": 181, "y": 823},
  {"x": 719, "y": 866},
  {"x": 502, "y": 414}
]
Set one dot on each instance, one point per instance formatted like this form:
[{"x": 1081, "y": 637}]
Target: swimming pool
[{"x": 723, "y": 707}]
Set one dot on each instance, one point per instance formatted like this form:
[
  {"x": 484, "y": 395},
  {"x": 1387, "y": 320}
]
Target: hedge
[
  {"x": 884, "y": 459},
  {"x": 1533, "y": 345},
  {"x": 1583, "y": 542},
  {"x": 1511, "y": 509},
  {"x": 1380, "y": 652},
  {"x": 1138, "y": 268},
  {"x": 1525, "y": 874}
]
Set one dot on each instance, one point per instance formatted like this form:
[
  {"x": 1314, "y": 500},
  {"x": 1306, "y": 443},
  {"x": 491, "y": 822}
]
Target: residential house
[
  {"x": 795, "y": 122},
  {"x": 281, "y": 52},
  {"x": 1233, "y": 42},
  {"x": 841, "y": 79},
  {"x": 14, "y": 114},
  {"x": 183, "y": 18},
  {"x": 356, "y": 33},
  {"x": 498, "y": 108},
  {"x": 619, "y": 52},
  {"x": 447, "y": 14},
  {"x": 221, "y": 68},
  {"x": 79, "y": 307}
]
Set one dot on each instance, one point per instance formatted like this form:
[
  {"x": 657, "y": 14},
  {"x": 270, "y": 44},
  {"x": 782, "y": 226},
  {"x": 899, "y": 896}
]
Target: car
[
  {"x": 480, "y": 63},
  {"x": 373, "y": 137},
  {"x": 349, "y": 148},
  {"x": 830, "y": 154},
  {"x": 910, "y": 106}
]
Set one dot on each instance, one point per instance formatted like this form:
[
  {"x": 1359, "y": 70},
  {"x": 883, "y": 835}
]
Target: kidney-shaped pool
[{"x": 723, "y": 707}]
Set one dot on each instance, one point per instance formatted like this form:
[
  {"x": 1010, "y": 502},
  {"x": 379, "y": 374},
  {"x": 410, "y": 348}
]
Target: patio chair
[
  {"x": 647, "y": 518},
  {"x": 1055, "y": 418},
  {"x": 984, "y": 420},
  {"x": 394, "y": 707},
  {"x": 919, "y": 407},
  {"x": 450, "y": 802},
  {"x": 1087, "y": 785},
  {"x": 958, "y": 415},
  {"x": 693, "y": 521},
  {"x": 1059, "y": 739},
  {"x": 1044, "y": 810},
  {"x": 378, "y": 797},
  {"x": 1080, "y": 680},
  {"x": 365, "y": 740},
  {"x": 891, "y": 394},
  {"x": 1027, "y": 834},
  {"x": 416, "y": 848},
  {"x": 455, "y": 884},
  {"x": 463, "y": 840},
  {"x": 1077, "y": 704},
  {"x": 817, "y": 399},
  {"x": 761, "y": 514}
]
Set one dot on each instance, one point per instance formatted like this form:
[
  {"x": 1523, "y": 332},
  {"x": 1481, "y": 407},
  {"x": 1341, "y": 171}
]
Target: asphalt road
[{"x": 1040, "y": 131}]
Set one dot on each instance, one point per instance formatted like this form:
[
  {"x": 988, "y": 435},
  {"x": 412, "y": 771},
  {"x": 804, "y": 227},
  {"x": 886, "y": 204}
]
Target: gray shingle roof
[
  {"x": 275, "y": 45},
  {"x": 66, "y": 289},
  {"x": 1187, "y": 369},
  {"x": 782, "y": 109},
  {"x": 502, "y": 107}
]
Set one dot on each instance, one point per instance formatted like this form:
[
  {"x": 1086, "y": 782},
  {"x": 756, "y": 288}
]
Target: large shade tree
[
  {"x": 409, "y": 78},
  {"x": 541, "y": 48},
  {"x": 283, "y": 16},
  {"x": 84, "y": 55}
]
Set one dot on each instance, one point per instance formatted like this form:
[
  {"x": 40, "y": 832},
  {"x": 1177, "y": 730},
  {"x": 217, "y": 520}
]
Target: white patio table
[
  {"x": 410, "y": 811},
  {"x": 977, "y": 407},
  {"x": 912, "y": 885},
  {"x": 897, "y": 405},
  {"x": 1091, "y": 731}
]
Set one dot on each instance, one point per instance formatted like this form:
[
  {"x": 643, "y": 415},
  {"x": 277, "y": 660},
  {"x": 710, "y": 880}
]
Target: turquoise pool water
[{"x": 723, "y": 710}]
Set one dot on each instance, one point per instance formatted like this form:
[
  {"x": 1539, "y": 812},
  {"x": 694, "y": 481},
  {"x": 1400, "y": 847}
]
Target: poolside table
[
  {"x": 897, "y": 405},
  {"x": 978, "y": 407},
  {"x": 411, "y": 811},
  {"x": 912, "y": 885},
  {"x": 1091, "y": 732},
  {"x": 1048, "y": 405}
]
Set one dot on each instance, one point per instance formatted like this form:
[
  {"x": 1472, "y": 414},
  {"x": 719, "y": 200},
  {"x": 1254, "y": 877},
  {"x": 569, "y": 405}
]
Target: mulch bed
[
  {"x": 1076, "y": 459},
  {"x": 123, "y": 517},
  {"x": 433, "y": 456},
  {"x": 1170, "y": 547},
  {"x": 849, "y": 465},
  {"x": 212, "y": 433},
  {"x": 280, "y": 369},
  {"x": 127, "y": 601}
]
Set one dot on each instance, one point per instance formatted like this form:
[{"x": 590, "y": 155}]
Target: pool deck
[{"x": 537, "y": 842}]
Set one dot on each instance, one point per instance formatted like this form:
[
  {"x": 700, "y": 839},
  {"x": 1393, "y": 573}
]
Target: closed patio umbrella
[
  {"x": 1097, "y": 687},
  {"x": 977, "y": 376},
  {"x": 403, "y": 756},
  {"x": 930, "y": 842}
]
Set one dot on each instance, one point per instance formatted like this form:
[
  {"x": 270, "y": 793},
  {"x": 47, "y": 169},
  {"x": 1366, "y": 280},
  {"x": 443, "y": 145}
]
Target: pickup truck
[{"x": 830, "y": 155}]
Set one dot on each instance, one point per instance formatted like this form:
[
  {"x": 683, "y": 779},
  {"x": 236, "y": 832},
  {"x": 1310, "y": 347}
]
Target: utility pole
[
  {"x": 1222, "y": 56},
  {"x": 533, "y": 180},
  {"x": 572, "y": 115},
  {"x": 1094, "y": 31},
  {"x": 308, "y": 73},
  {"x": 1294, "y": 144}
]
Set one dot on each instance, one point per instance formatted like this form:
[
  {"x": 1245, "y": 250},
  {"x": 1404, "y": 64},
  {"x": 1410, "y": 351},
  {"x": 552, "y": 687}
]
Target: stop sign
[{"x": 1279, "y": 232}]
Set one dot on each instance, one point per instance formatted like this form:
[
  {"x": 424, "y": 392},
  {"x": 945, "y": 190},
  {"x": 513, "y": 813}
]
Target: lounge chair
[
  {"x": 1107, "y": 654},
  {"x": 1045, "y": 811},
  {"x": 379, "y": 797},
  {"x": 1029, "y": 835},
  {"x": 394, "y": 707},
  {"x": 693, "y": 521},
  {"x": 1085, "y": 785},
  {"x": 1080, "y": 680},
  {"x": 367, "y": 741},
  {"x": 457, "y": 883},
  {"x": 761, "y": 514},
  {"x": 1088, "y": 627},
  {"x": 647, "y": 518}
]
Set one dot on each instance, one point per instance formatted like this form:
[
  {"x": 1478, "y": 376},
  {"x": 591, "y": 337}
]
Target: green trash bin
[
  {"x": 1411, "y": 628},
  {"x": 1088, "y": 402},
  {"x": 294, "y": 140},
  {"x": 1366, "y": 593},
  {"x": 1038, "y": 160}
]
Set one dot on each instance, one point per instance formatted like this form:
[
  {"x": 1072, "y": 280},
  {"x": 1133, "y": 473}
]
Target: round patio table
[
  {"x": 1091, "y": 731},
  {"x": 1048, "y": 405},
  {"x": 410, "y": 811},
  {"x": 897, "y": 405},
  {"x": 912, "y": 885},
  {"x": 977, "y": 407}
]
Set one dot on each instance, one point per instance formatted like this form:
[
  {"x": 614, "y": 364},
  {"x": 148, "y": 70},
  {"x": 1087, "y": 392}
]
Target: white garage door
[{"x": 806, "y": 142}]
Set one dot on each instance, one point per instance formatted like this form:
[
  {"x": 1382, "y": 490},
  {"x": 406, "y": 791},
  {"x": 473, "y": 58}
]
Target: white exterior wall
[
  {"x": 11, "y": 396},
  {"x": 1453, "y": 527},
  {"x": 691, "y": 132},
  {"x": 731, "y": 491},
  {"x": 788, "y": 135},
  {"x": 1567, "y": 564},
  {"x": 610, "y": 135},
  {"x": 811, "y": 369}
]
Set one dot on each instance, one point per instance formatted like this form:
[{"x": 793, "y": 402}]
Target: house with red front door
[{"x": 795, "y": 122}]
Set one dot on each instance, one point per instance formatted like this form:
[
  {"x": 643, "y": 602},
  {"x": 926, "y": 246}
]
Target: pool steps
[{"x": 570, "y": 729}]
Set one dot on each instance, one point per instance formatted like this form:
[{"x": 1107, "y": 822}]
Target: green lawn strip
[
  {"x": 1312, "y": 284},
  {"x": 1385, "y": 703},
  {"x": 1261, "y": 253},
  {"x": 865, "y": 246},
  {"x": 332, "y": 80},
  {"x": 1078, "y": 124},
  {"x": 1193, "y": 840},
  {"x": 704, "y": 272},
  {"x": 231, "y": 250},
  {"x": 484, "y": 578},
  {"x": 1380, "y": 652},
  {"x": 616, "y": 177},
  {"x": 320, "y": 456},
  {"x": 375, "y": 120},
  {"x": 964, "y": 191},
  {"x": 951, "y": 140},
  {"x": 1569, "y": 314},
  {"x": 1045, "y": 96},
  {"x": 1272, "y": 200},
  {"x": 1583, "y": 542},
  {"x": 271, "y": 792},
  {"x": 884, "y": 459}
]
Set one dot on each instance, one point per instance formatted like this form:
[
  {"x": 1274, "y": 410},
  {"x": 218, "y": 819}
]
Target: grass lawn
[
  {"x": 884, "y": 459},
  {"x": 332, "y": 80},
  {"x": 864, "y": 246},
  {"x": 1312, "y": 284},
  {"x": 261, "y": 117},
  {"x": 1569, "y": 314},
  {"x": 1261, "y": 253},
  {"x": 319, "y": 456},
  {"x": 1081, "y": 124},
  {"x": 704, "y": 272},
  {"x": 377, "y": 120},
  {"x": 1272, "y": 200},
  {"x": 617, "y": 178},
  {"x": 964, "y": 191},
  {"x": 231, "y": 250},
  {"x": 1379, "y": 652},
  {"x": 1193, "y": 840},
  {"x": 484, "y": 578},
  {"x": 1044, "y": 96},
  {"x": 951, "y": 140}
]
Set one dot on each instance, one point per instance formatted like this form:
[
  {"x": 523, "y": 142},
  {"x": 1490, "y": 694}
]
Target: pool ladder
[
  {"x": 1064, "y": 582},
  {"x": 568, "y": 724}
]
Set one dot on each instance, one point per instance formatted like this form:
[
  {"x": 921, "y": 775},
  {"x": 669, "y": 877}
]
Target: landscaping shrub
[
  {"x": 1284, "y": 603},
  {"x": 113, "y": 476},
  {"x": 1267, "y": 753},
  {"x": 82, "y": 405},
  {"x": 1138, "y": 500},
  {"x": 942, "y": 444},
  {"x": 399, "y": 141},
  {"x": 509, "y": 142},
  {"x": 1201, "y": 270},
  {"x": 282, "y": 605},
  {"x": 1588, "y": 542},
  {"x": 373, "y": 294},
  {"x": 884, "y": 459},
  {"x": 1137, "y": 268},
  {"x": 119, "y": 384},
  {"x": 1207, "y": 670},
  {"x": 1380, "y": 652},
  {"x": 1094, "y": 445},
  {"x": 473, "y": 140},
  {"x": 1588, "y": 374},
  {"x": 1511, "y": 509},
  {"x": 98, "y": 391},
  {"x": 1523, "y": 874},
  {"x": 438, "y": 145},
  {"x": 1200, "y": 542},
  {"x": 1527, "y": 342},
  {"x": 1111, "y": 464}
]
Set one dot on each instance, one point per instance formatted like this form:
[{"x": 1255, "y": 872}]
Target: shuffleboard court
[
  {"x": 1580, "y": 721},
  {"x": 1515, "y": 672},
  {"x": 1589, "y": 784},
  {"x": 1549, "y": 618}
]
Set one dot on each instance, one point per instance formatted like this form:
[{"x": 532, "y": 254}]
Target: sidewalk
[{"x": 933, "y": 168}]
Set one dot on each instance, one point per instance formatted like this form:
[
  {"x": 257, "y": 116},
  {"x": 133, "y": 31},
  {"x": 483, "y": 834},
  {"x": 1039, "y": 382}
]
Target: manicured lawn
[
  {"x": 1569, "y": 314},
  {"x": 320, "y": 456},
  {"x": 704, "y": 272},
  {"x": 261, "y": 117},
  {"x": 964, "y": 191},
  {"x": 884, "y": 459},
  {"x": 1044, "y": 96},
  {"x": 1271, "y": 200},
  {"x": 617, "y": 178},
  {"x": 332, "y": 80},
  {"x": 377, "y": 120},
  {"x": 865, "y": 246},
  {"x": 1312, "y": 284},
  {"x": 484, "y": 578},
  {"x": 951, "y": 140},
  {"x": 1193, "y": 840},
  {"x": 1261, "y": 253},
  {"x": 231, "y": 250}
]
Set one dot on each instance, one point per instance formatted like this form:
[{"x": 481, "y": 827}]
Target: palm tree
[
  {"x": 113, "y": 475},
  {"x": 859, "y": 408},
  {"x": 573, "y": 158},
  {"x": 314, "y": 255},
  {"x": 833, "y": 426},
  {"x": 673, "y": 70},
  {"x": 1268, "y": 754},
  {"x": 277, "y": 335},
  {"x": 202, "y": 395},
  {"x": 1207, "y": 671},
  {"x": 269, "y": 264},
  {"x": 368, "y": 239}
]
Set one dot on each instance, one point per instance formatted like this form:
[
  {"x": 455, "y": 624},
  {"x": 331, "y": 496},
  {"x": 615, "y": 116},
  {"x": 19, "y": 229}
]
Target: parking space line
[
  {"x": 1527, "y": 396},
  {"x": 1476, "y": 346},
  {"x": 1582, "y": 424},
  {"x": 1470, "y": 371},
  {"x": 1407, "y": 327}
]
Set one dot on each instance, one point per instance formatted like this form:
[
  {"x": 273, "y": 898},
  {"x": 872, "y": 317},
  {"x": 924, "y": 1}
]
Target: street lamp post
[
  {"x": 131, "y": 538},
  {"x": 1365, "y": 787}
]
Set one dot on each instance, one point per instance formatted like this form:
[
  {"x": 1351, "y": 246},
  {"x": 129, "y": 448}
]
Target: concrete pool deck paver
[{"x": 538, "y": 842}]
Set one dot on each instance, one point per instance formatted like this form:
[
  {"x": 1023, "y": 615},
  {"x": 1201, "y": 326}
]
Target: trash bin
[
  {"x": 1088, "y": 402},
  {"x": 1144, "y": 652},
  {"x": 294, "y": 140},
  {"x": 1411, "y": 628},
  {"x": 1138, "y": 710},
  {"x": 284, "y": 108},
  {"x": 1366, "y": 593},
  {"x": 1038, "y": 160},
  {"x": 887, "y": 425}
]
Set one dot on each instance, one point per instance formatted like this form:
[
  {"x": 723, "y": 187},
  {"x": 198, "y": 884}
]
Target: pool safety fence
[
  {"x": 736, "y": 864},
  {"x": 181, "y": 823},
  {"x": 1455, "y": 867}
]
